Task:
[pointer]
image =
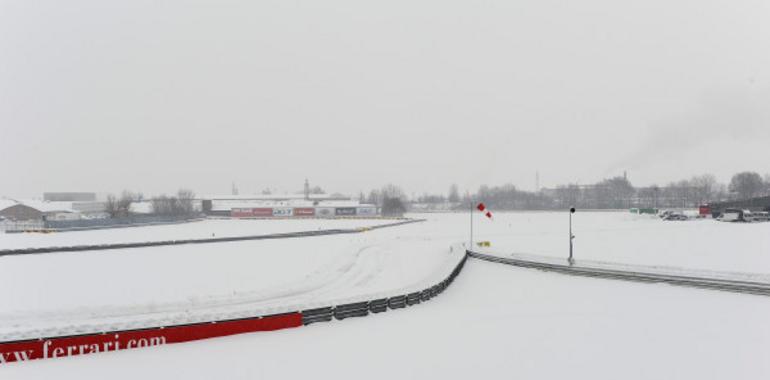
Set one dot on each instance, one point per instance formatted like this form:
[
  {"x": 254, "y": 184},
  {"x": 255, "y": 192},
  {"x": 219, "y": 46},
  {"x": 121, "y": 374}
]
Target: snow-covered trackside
[
  {"x": 95, "y": 342},
  {"x": 145, "y": 244},
  {"x": 204, "y": 229},
  {"x": 735, "y": 282}
]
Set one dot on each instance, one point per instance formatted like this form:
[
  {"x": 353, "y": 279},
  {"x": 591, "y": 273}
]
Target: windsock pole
[{"x": 471, "y": 216}]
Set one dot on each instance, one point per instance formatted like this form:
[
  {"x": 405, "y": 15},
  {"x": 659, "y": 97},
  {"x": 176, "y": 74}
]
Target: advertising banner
[
  {"x": 58, "y": 347},
  {"x": 241, "y": 213},
  {"x": 282, "y": 211},
  {"x": 262, "y": 211},
  {"x": 345, "y": 211},
  {"x": 324, "y": 212},
  {"x": 366, "y": 211},
  {"x": 304, "y": 211}
]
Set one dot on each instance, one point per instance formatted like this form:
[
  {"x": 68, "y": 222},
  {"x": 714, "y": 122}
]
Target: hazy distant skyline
[{"x": 152, "y": 96}]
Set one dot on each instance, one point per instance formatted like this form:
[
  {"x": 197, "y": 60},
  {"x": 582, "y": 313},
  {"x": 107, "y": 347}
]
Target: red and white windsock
[{"x": 484, "y": 210}]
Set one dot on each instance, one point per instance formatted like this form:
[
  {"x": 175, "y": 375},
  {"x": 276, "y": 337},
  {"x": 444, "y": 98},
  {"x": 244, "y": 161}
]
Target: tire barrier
[
  {"x": 288, "y": 235},
  {"x": 364, "y": 308},
  {"x": 72, "y": 345},
  {"x": 735, "y": 286}
]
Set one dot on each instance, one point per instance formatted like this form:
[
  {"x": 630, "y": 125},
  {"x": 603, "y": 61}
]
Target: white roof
[
  {"x": 45, "y": 206},
  {"x": 42, "y": 206},
  {"x": 226, "y": 205},
  {"x": 5, "y": 203},
  {"x": 260, "y": 197},
  {"x": 144, "y": 207}
]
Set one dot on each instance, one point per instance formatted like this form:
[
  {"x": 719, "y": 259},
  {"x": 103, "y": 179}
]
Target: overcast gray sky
[{"x": 154, "y": 95}]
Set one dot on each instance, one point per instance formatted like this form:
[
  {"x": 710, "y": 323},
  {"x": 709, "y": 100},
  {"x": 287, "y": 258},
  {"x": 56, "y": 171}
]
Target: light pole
[
  {"x": 571, "y": 236},
  {"x": 470, "y": 247}
]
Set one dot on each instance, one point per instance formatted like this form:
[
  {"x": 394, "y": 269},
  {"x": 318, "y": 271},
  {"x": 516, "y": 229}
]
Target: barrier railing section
[
  {"x": 70, "y": 345},
  {"x": 89, "y": 224},
  {"x": 361, "y": 308},
  {"x": 553, "y": 265}
]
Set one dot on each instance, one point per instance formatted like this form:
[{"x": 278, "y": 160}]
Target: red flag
[
  {"x": 489, "y": 214},
  {"x": 481, "y": 207}
]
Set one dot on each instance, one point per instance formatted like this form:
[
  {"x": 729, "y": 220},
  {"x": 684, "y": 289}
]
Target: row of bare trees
[
  {"x": 120, "y": 206},
  {"x": 611, "y": 193},
  {"x": 391, "y": 198},
  {"x": 179, "y": 205}
]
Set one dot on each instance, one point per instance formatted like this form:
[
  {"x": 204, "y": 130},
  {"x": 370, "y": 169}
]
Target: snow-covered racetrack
[
  {"x": 157, "y": 286},
  {"x": 495, "y": 321}
]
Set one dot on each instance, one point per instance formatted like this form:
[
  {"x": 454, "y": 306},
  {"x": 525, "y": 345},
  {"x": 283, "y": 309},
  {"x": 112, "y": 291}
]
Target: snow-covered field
[
  {"x": 194, "y": 230},
  {"x": 495, "y": 321},
  {"x": 631, "y": 239}
]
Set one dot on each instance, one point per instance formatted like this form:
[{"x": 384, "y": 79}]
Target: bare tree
[
  {"x": 704, "y": 187},
  {"x": 767, "y": 184},
  {"x": 393, "y": 206},
  {"x": 111, "y": 206},
  {"x": 180, "y": 205},
  {"x": 121, "y": 207},
  {"x": 454, "y": 194},
  {"x": 374, "y": 197},
  {"x": 185, "y": 199},
  {"x": 392, "y": 191},
  {"x": 746, "y": 185}
]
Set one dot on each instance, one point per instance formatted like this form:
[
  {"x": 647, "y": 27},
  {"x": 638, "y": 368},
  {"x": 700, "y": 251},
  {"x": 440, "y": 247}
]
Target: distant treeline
[
  {"x": 179, "y": 205},
  {"x": 611, "y": 193}
]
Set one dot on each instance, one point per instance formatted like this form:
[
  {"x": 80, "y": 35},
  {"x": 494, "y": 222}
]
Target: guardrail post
[{"x": 571, "y": 260}]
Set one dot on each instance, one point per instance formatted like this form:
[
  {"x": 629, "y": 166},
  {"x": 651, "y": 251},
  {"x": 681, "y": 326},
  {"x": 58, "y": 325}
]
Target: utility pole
[
  {"x": 470, "y": 199},
  {"x": 571, "y": 260}
]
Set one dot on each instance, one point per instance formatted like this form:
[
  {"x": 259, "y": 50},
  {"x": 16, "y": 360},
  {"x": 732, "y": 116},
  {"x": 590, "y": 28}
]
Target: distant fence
[
  {"x": 16, "y": 226},
  {"x": 64, "y": 346},
  {"x": 86, "y": 224}
]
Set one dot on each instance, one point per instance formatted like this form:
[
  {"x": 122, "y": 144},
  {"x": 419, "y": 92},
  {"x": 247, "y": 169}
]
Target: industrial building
[{"x": 286, "y": 206}]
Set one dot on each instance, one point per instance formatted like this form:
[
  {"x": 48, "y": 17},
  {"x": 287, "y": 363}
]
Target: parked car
[
  {"x": 675, "y": 215},
  {"x": 736, "y": 215},
  {"x": 761, "y": 216}
]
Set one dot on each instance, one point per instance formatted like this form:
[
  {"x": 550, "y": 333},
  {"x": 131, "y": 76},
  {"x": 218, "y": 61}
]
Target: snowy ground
[
  {"x": 194, "y": 230},
  {"x": 78, "y": 292},
  {"x": 495, "y": 321},
  {"x": 626, "y": 238}
]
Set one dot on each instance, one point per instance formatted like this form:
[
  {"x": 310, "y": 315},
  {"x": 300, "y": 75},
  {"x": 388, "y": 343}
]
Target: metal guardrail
[
  {"x": 362, "y": 309},
  {"x": 679, "y": 280},
  {"x": 100, "y": 247}
]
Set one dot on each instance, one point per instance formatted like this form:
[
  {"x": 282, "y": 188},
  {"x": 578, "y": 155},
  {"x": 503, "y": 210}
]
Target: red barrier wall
[
  {"x": 121, "y": 340},
  {"x": 241, "y": 212},
  {"x": 263, "y": 211}
]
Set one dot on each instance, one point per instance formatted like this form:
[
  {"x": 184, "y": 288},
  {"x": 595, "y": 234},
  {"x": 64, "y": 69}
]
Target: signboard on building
[
  {"x": 283, "y": 211},
  {"x": 304, "y": 211},
  {"x": 324, "y": 212},
  {"x": 345, "y": 211},
  {"x": 366, "y": 211},
  {"x": 262, "y": 212}
]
